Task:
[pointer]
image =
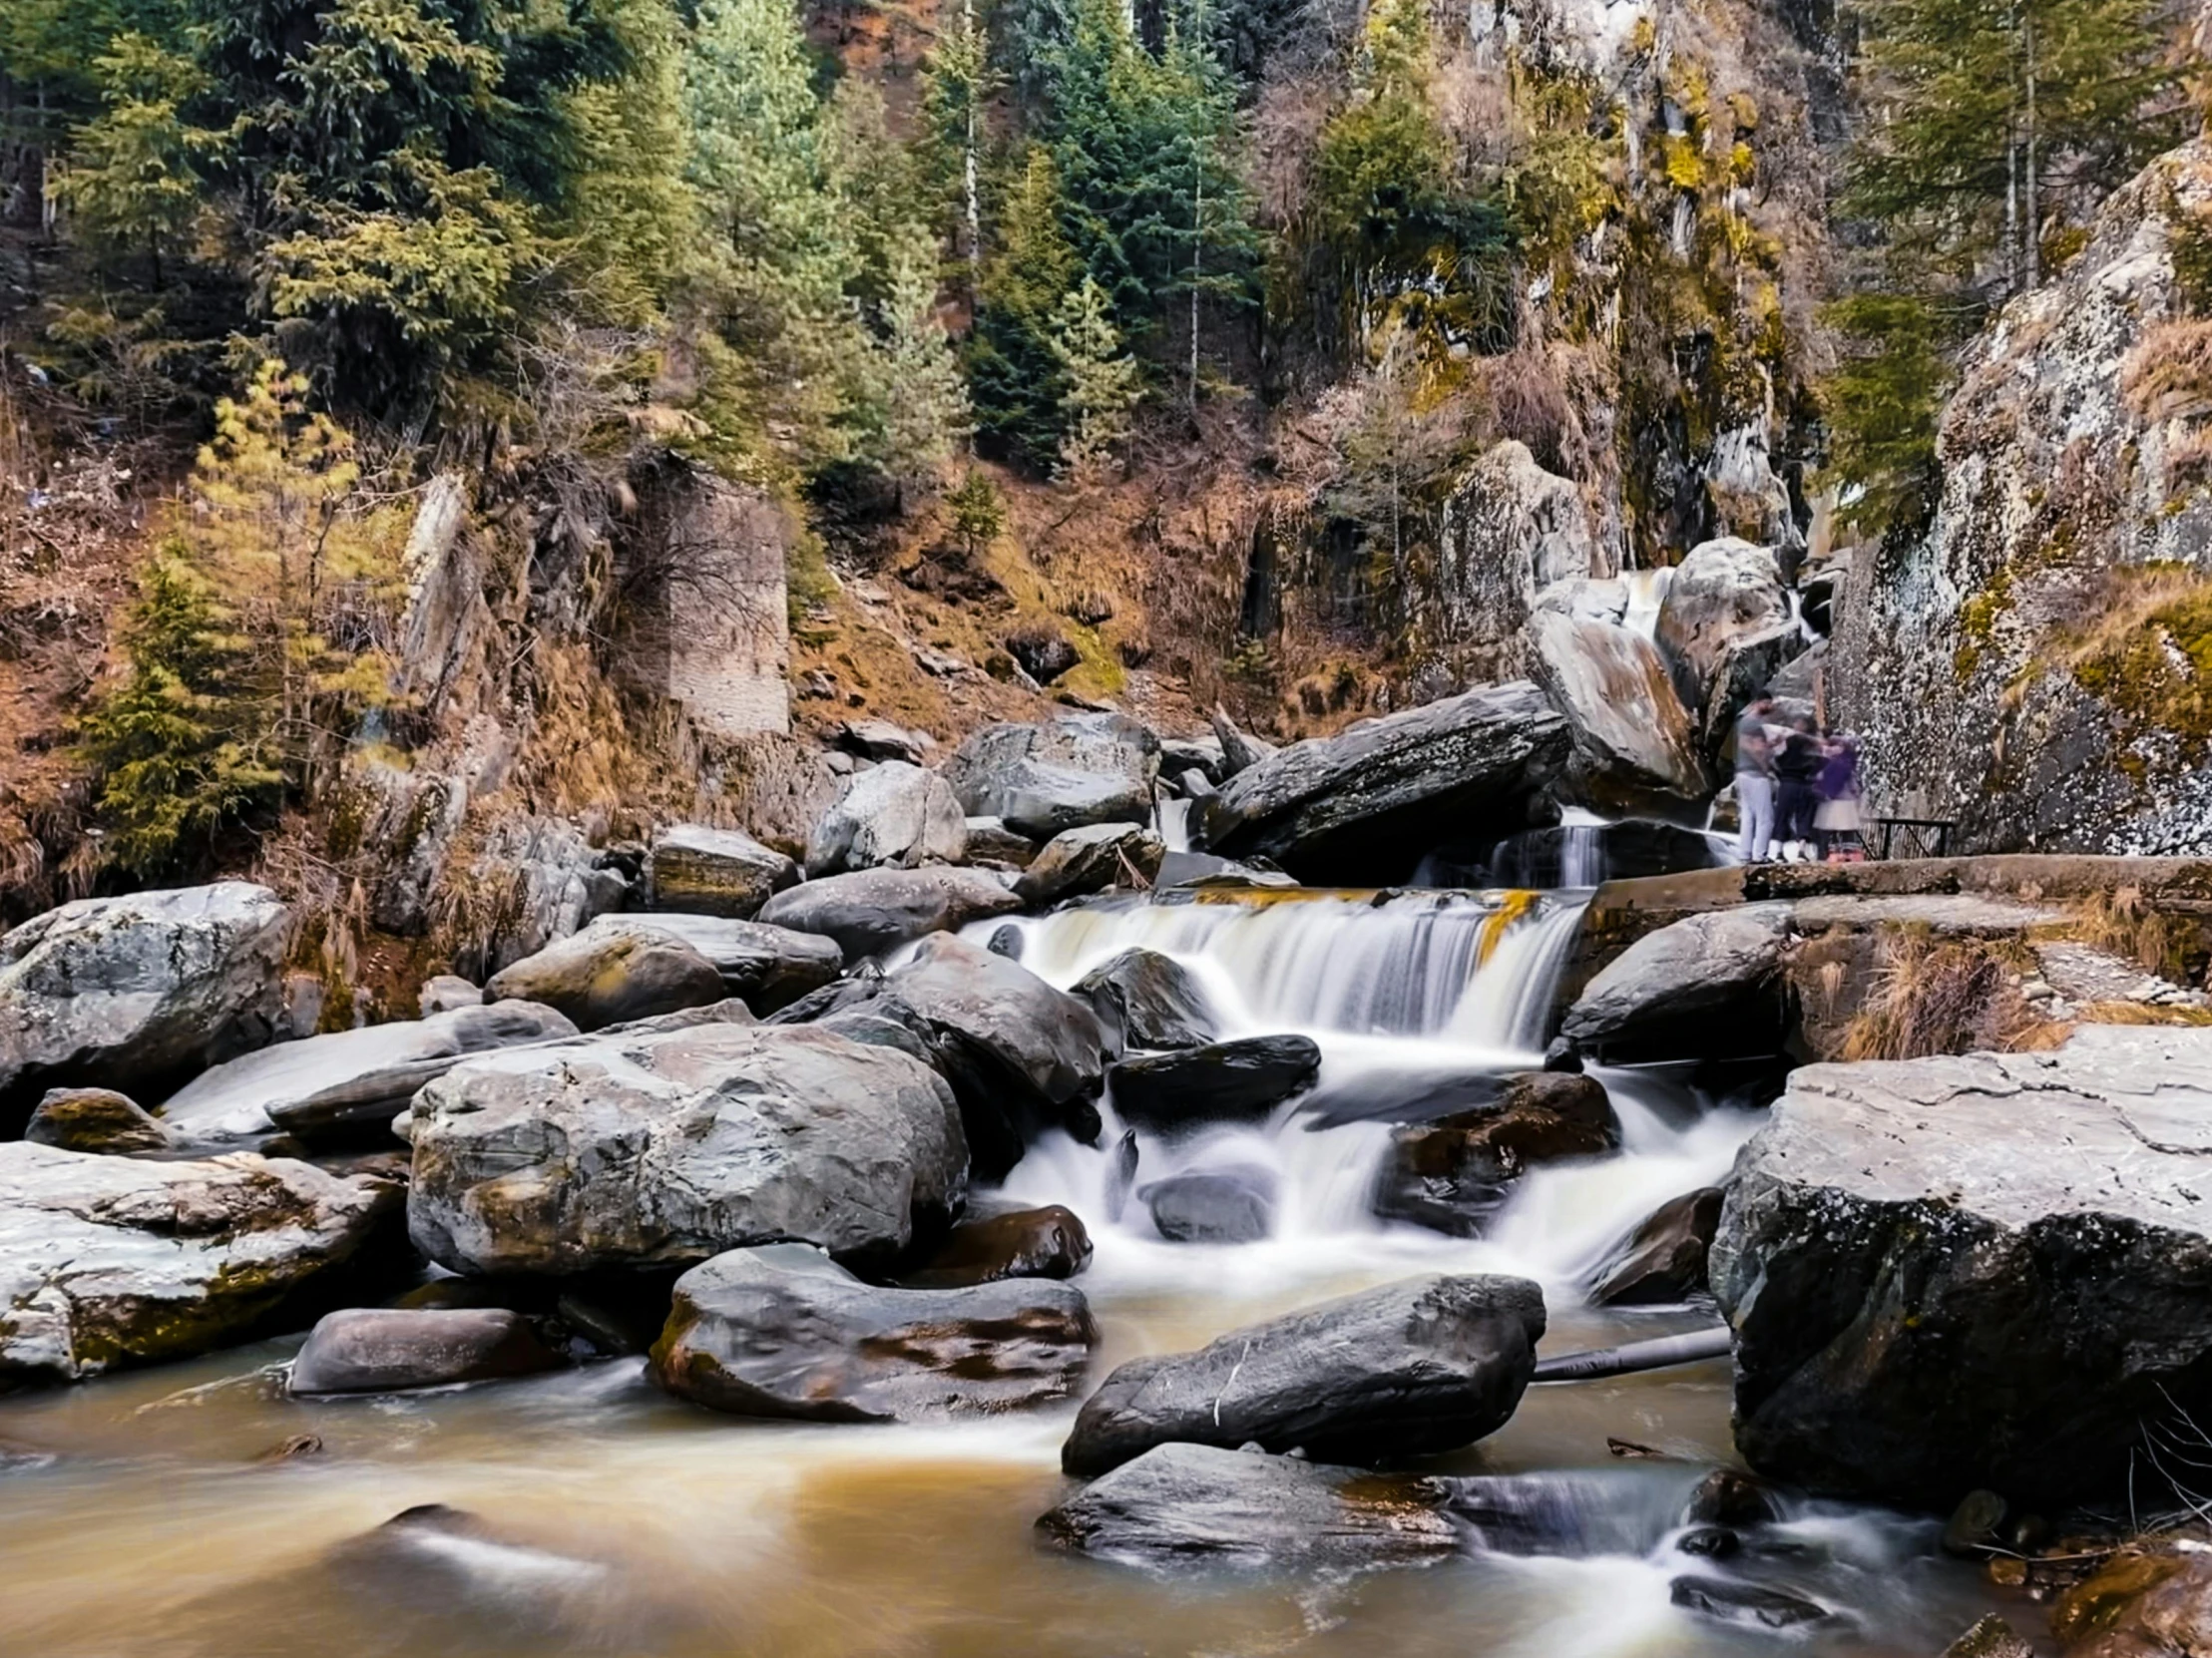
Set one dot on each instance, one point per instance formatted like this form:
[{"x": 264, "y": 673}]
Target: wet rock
[
  {"x": 1729, "y": 1496},
  {"x": 1708, "y": 986},
  {"x": 296, "y": 1448},
  {"x": 1582, "y": 855},
  {"x": 1120, "y": 1175},
  {"x": 1204, "y": 755},
  {"x": 1635, "y": 743},
  {"x": 114, "y": 1261},
  {"x": 330, "y": 1086},
  {"x": 1236, "y": 1204},
  {"x": 2147, "y": 1602},
  {"x": 1027, "y": 1243},
  {"x": 769, "y": 966},
  {"x": 1077, "y": 862},
  {"x": 1746, "y": 1603},
  {"x": 635, "y": 1151},
  {"x": 874, "y": 910},
  {"x": 892, "y": 815},
  {"x": 783, "y": 1331},
  {"x": 1199, "y": 1505},
  {"x": 442, "y": 993},
  {"x": 1144, "y": 999},
  {"x": 716, "y": 871},
  {"x": 1939, "y": 1271},
  {"x": 879, "y": 740},
  {"x": 1406, "y": 1097},
  {"x": 617, "y": 968},
  {"x": 990, "y": 841},
  {"x": 1366, "y": 803},
  {"x": 1233, "y": 1081},
  {"x": 1454, "y": 1173},
  {"x": 97, "y": 1121},
  {"x": 1067, "y": 772},
  {"x": 133, "y": 992},
  {"x": 1664, "y": 1260},
  {"x": 1240, "y": 751},
  {"x": 431, "y": 1572},
  {"x": 1976, "y": 1526},
  {"x": 1710, "y": 1543},
  {"x": 1408, "y": 1369},
  {"x": 375, "y": 1350},
  {"x": 1992, "y": 1637},
  {"x": 1724, "y": 593}
]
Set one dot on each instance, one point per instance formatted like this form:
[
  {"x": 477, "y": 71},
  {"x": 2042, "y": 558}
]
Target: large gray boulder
[
  {"x": 1242, "y": 1080},
  {"x": 1707, "y": 986},
  {"x": 1634, "y": 744},
  {"x": 1404, "y": 1370},
  {"x": 783, "y": 1331},
  {"x": 1726, "y": 595},
  {"x": 1078, "y": 862},
  {"x": 136, "y": 992},
  {"x": 1144, "y": 999},
  {"x": 871, "y": 911},
  {"x": 329, "y": 1086},
  {"x": 1061, "y": 774},
  {"x": 1366, "y": 804},
  {"x": 769, "y": 967},
  {"x": 114, "y": 1261},
  {"x": 373, "y": 1349},
  {"x": 894, "y": 814},
  {"x": 1989, "y": 1271},
  {"x": 714, "y": 872},
  {"x": 617, "y": 969},
  {"x": 664, "y": 1148}
]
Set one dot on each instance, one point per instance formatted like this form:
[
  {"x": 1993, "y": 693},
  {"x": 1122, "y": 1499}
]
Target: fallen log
[{"x": 1630, "y": 1356}]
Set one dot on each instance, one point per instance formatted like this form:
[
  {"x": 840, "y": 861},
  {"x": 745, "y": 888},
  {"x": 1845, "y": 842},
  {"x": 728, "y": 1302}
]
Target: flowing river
[{"x": 144, "y": 1514}]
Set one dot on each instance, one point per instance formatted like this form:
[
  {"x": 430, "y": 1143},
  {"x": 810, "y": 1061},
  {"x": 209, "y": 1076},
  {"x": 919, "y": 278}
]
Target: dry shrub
[
  {"x": 2145, "y": 1012},
  {"x": 1945, "y": 996},
  {"x": 2168, "y": 377},
  {"x": 2121, "y": 921}
]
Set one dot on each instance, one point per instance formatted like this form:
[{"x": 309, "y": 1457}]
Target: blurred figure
[
  {"x": 1797, "y": 766},
  {"x": 1835, "y": 821},
  {"x": 1755, "y": 780}
]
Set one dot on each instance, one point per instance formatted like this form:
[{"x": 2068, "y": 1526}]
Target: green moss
[
  {"x": 2157, "y": 677},
  {"x": 1977, "y": 619}
]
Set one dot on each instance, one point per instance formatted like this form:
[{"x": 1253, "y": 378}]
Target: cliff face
[{"x": 2034, "y": 665}]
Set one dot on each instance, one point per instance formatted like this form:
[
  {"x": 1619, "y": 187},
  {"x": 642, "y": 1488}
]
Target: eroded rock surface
[
  {"x": 874, "y": 910},
  {"x": 716, "y": 871},
  {"x": 894, "y": 815},
  {"x": 1041, "y": 779}
]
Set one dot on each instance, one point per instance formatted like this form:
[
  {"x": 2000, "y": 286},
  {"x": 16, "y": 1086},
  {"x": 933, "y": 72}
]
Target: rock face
[
  {"x": 769, "y": 967},
  {"x": 1726, "y": 598},
  {"x": 134, "y": 991},
  {"x": 348, "y": 1080},
  {"x": 1023, "y": 1243},
  {"x": 1941, "y": 1272},
  {"x": 1664, "y": 1260},
  {"x": 1232, "y": 1082},
  {"x": 1510, "y": 530},
  {"x": 617, "y": 968},
  {"x": 892, "y": 815},
  {"x": 783, "y": 1331},
  {"x": 1452, "y": 1174},
  {"x": 1077, "y": 862},
  {"x": 1406, "y": 1370},
  {"x": 716, "y": 871},
  {"x": 874, "y": 910},
  {"x": 1041, "y": 779},
  {"x": 1633, "y": 741},
  {"x": 1375, "y": 798},
  {"x": 96, "y": 1120},
  {"x": 1704, "y": 986},
  {"x": 2067, "y": 475},
  {"x": 375, "y": 1350},
  {"x": 665, "y": 1148},
  {"x": 1147, "y": 1001},
  {"x": 1198, "y": 1505},
  {"x": 113, "y": 1260}
]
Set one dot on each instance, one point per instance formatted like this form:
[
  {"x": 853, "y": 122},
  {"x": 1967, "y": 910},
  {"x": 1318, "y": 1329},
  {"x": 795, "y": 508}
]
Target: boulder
[
  {"x": 1635, "y": 743},
  {"x": 443, "y": 991},
  {"x": 1664, "y": 1260},
  {"x": 892, "y": 815},
  {"x": 617, "y": 968},
  {"x": 1204, "y": 755},
  {"x": 1023, "y": 1243},
  {"x": 376, "y": 1349},
  {"x": 1452, "y": 1174},
  {"x": 1240, "y": 751},
  {"x": 1409, "y": 1369},
  {"x": 1368, "y": 803},
  {"x": 663, "y": 1148},
  {"x": 114, "y": 1261},
  {"x": 1230, "y": 1204},
  {"x": 874, "y": 910},
  {"x": 1707, "y": 986},
  {"x": 783, "y": 1331},
  {"x": 990, "y": 841},
  {"x": 716, "y": 871},
  {"x": 136, "y": 992},
  {"x": 1063, "y": 774},
  {"x": 1724, "y": 593},
  {"x": 1232, "y": 1082},
  {"x": 331, "y": 1086},
  {"x": 1144, "y": 999},
  {"x": 1201, "y": 1506},
  {"x": 2151, "y": 1601},
  {"x": 1078, "y": 862},
  {"x": 1509, "y": 530},
  {"x": 99, "y": 1120},
  {"x": 879, "y": 740},
  {"x": 540, "y": 879},
  {"x": 1941, "y": 1272},
  {"x": 769, "y": 966}
]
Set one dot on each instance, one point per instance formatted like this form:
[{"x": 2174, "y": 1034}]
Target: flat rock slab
[
  {"x": 114, "y": 1261},
  {"x": 783, "y": 1331},
  {"x": 366, "y": 1350},
  {"x": 1233, "y": 1081},
  {"x": 1944, "y": 1274},
  {"x": 716, "y": 871},
  {"x": 1404, "y": 1370},
  {"x": 871, "y": 911}
]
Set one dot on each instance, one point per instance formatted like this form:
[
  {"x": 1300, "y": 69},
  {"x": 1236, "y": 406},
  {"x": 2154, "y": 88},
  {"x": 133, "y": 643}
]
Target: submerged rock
[
  {"x": 1023, "y": 1243},
  {"x": 1705, "y": 986},
  {"x": 892, "y": 815},
  {"x": 1235, "y": 1205},
  {"x": 1404, "y": 1370},
  {"x": 1233, "y": 1081},
  {"x": 1940, "y": 1272},
  {"x": 1067, "y": 772},
  {"x": 615, "y": 970},
  {"x": 783, "y": 1331},
  {"x": 1664, "y": 1260},
  {"x": 370, "y": 1349},
  {"x": 114, "y": 1261},
  {"x": 98, "y": 1120},
  {"x": 1748, "y": 1603},
  {"x": 1077, "y": 862},
  {"x": 665, "y": 1148},
  {"x": 1454, "y": 1173},
  {"x": 716, "y": 871},
  {"x": 874, "y": 910},
  {"x": 1147, "y": 1001}
]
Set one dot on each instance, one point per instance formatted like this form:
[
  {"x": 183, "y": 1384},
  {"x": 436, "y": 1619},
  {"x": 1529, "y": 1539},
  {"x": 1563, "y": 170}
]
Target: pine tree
[
  {"x": 134, "y": 183},
  {"x": 915, "y": 414},
  {"x": 1099, "y": 385},
  {"x": 1012, "y": 371},
  {"x": 958, "y": 85}
]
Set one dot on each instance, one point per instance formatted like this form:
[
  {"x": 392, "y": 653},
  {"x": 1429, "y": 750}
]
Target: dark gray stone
[
  {"x": 1024, "y": 1243},
  {"x": 1664, "y": 1260},
  {"x": 373, "y": 1349},
  {"x": 1454, "y": 1173},
  {"x": 1078, "y": 862},
  {"x": 874, "y": 910},
  {"x": 1233, "y": 1081},
  {"x": 1147, "y": 1001},
  {"x": 1710, "y": 986},
  {"x": 1067, "y": 772}
]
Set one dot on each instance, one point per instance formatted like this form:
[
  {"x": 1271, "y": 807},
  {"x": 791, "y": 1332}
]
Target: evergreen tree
[
  {"x": 915, "y": 414},
  {"x": 1100, "y": 383},
  {"x": 135, "y": 182},
  {"x": 1012, "y": 371},
  {"x": 958, "y": 85}
]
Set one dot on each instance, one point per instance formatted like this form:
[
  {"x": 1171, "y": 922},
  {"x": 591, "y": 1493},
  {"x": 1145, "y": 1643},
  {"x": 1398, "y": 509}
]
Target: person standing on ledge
[
  {"x": 1797, "y": 763},
  {"x": 1754, "y": 779}
]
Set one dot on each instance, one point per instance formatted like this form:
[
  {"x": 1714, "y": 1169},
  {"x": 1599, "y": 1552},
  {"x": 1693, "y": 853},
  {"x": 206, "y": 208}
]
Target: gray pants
[{"x": 1755, "y": 810}]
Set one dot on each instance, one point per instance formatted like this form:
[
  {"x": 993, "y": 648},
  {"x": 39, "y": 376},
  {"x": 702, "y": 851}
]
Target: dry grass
[
  {"x": 1947, "y": 995},
  {"x": 2122, "y": 923},
  {"x": 2143, "y": 1013}
]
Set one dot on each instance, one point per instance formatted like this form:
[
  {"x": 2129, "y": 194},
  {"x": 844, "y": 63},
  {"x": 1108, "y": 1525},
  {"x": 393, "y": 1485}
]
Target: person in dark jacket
[{"x": 1797, "y": 768}]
